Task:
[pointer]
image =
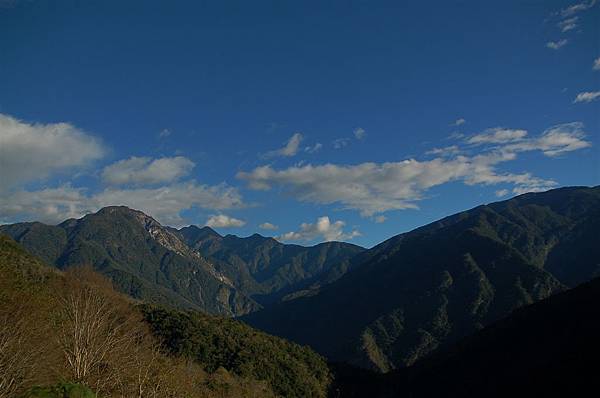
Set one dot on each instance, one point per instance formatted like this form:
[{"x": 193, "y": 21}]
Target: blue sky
[{"x": 346, "y": 120}]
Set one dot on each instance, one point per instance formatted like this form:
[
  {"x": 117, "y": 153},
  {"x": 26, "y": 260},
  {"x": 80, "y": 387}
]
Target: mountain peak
[
  {"x": 119, "y": 210},
  {"x": 208, "y": 231},
  {"x": 200, "y": 232},
  {"x": 124, "y": 211},
  {"x": 194, "y": 234}
]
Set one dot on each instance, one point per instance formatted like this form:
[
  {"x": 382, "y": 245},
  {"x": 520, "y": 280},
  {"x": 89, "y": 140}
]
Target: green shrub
[{"x": 61, "y": 390}]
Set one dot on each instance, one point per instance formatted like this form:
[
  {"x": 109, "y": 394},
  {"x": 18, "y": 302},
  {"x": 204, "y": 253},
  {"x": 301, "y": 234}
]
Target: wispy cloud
[
  {"x": 554, "y": 141},
  {"x": 289, "y": 149},
  {"x": 502, "y": 192},
  {"x": 322, "y": 228},
  {"x": 596, "y": 65},
  {"x": 359, "y": 133},
  {"x": 568, "y": 21},
  {"x": 313, "y": 149},
  {"x": 268, "y": 226},
  {"x": 587, "y": 96},
  {"x": 459, "y": 122},
  {"x": 497, "y": 135},
  {"x": 576, "y": 8},
  {"x": 224, "y": 221},
  {"x": 555, "y": 45},
  {"x": 373, "y": 188},
  {"x": 164, "y": 133},
  {"x": 445, "y": 151},
  {"x": 568, "y": 24},
  {"x": 340, "y": 143}
]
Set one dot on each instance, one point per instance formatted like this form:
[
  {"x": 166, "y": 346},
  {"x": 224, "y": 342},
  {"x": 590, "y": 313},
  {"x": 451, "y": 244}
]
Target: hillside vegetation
[
  {"x": 70, "y": 334},
  {"x": 216, "y": 342}
]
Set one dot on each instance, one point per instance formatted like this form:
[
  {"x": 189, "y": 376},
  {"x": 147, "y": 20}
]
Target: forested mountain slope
[
  {"x": 143, "y": 258},
  {"x": 549, "y": 348},
  {"x": 421, "y": 290},
  {"x": 268, "y": 270},
  {"x": 193, "y": 268}
]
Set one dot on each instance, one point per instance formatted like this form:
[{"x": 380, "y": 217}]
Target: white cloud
[
  {"x": 30, "y": 152},
  {"x": 568, "y": 24},
  {"x": 315, "y": 148},
  {"x": 368, "y": 187},
  {"x": 575, "y": 8},
  {"x": 373, "y": 188},
  {"x": 359, "y": 133},
  {"x": 33, "y": 151},
  {"x": 380, "y": 219},
  {"x": 596, "y": 64},
  {"x": 555, "y": 45},
  {"x": 323, "y": 228},
  {"x": 502, "y": 192},
  {"x": 554, "y": 141},
  {"x": 224, "y": 221},
  {"x": 445, "y": 151},
  {"x": 165, "y": 203},
  {"x": 456, "y": 136},
  {"x": 340, "y": 143},
  {"x": 140, "y": 171},
  {"x": 268, "y": 226},
  {"x": 497, "y": 135},
  {"x": 459, "y": 122},
  {"x": 587, "y": 96},
  {"x": 290, "y": 148},
  {"x": 164, "y": 133},
  {"x": 50, "y": 205}
]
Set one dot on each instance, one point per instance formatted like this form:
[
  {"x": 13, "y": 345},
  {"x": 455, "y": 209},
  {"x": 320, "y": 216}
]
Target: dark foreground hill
[
  {"x": 421, "y": 290},
  {"x": 192, "y": 268},
  {"x": 73, "y": 329},
  {"x": 547, "y": 349}
]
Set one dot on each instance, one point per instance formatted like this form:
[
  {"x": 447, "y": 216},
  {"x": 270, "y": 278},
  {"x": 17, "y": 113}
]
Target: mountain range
[
  {"x": 422, "y": 290},
  {"x": 385, "y": 308},
  {"x": 193, "y": 268}
]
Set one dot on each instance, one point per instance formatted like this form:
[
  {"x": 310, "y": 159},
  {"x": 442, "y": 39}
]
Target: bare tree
[
  {"x": 17, "y": 355},
  {"x": 95, "y": 330},
  {"x": 90, "y": 331}
]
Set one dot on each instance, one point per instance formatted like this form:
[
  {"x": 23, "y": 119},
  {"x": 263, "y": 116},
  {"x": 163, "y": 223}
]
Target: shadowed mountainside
[
  {"x": 549, "y": 348},
  {"x": 421, "y": 290}
]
